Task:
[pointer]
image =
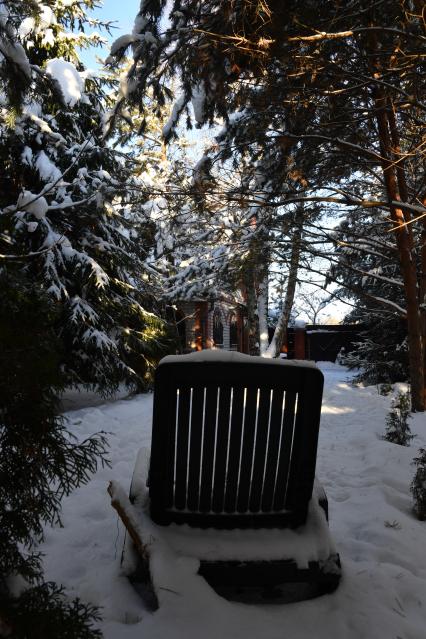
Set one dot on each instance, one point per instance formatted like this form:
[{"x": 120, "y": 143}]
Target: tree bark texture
[
  {"x": 262, "y": 311},
  {"x": 280, "y": 334},
  {"x": 395, "y": 184}
]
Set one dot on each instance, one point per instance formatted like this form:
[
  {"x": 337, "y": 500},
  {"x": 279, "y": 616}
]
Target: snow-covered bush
[
  {"x": 397, "y": 427},
  {"x": 418, "y": 485}
]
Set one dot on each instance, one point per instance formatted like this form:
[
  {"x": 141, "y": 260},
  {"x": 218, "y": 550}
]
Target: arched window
[
  {"x": 217, "y": 329},
  {"x": 233, "y": 332}
]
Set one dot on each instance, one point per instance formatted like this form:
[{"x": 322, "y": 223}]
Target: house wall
[{"x": 199, "y": 324}]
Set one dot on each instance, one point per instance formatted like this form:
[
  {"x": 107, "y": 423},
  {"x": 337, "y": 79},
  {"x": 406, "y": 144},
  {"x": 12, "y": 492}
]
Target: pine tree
[
  {"x": 355, "y": 79},
  {"x": 418, "y": 485},
  {"x": 397, "y": 428}
]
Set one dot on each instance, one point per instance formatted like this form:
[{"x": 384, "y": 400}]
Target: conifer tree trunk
[
  {"x": 252, "y": 316},
  {"x": 422, "y": 294},
  {"x": 262, "y": 311},
  {"x": 280, "y": 334},
  {"x": 396, "y": 189},
  {"x": 394, "y": 179}
]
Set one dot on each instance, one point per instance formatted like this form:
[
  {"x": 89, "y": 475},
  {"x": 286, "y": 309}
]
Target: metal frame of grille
[{"x": 234, "y": 442}]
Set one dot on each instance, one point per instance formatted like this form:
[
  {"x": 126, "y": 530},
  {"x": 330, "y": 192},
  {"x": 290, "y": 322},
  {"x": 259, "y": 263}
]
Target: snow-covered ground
[{"x": 382, "y": 546}]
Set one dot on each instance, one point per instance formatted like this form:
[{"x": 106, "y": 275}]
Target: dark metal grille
[{"x": 234, "y": 452}]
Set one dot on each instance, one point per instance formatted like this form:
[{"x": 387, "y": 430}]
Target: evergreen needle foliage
[
  {"x": 42, "y": 612},
  {"x": 40, "y": 462},
  {"x": 67, "y": 212},
  {"x": 418, "y": 485},
  {"x": 397, "y": 427}
]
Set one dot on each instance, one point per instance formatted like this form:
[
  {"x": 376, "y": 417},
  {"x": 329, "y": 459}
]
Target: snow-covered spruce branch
[
  {"x": 369, "y": 274},
  {"x": 251, "y": 200},
  {"x": 354, "y": 269},
  {"x": 332, "y": 235},
  {"x": 356, "y": 240},
  {"x": 14, "y": 208},
  {"x": 32, "y": 253},
  {"x": 262, "y": 46},
  {"x": 351, "y": 201},
  {"x": 360, "y": 245},
  {"x": 360, "y": 292},
  {"x": 69, "y": 205}
]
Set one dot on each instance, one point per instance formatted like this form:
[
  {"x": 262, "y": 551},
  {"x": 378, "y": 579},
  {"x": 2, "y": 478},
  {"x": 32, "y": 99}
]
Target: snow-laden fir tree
[
  {"x": 73, "y": 299},
  {"x": 66, "y": 198},
  {"x": 418, "y": 485},
  {"x": 397, "y": 427}
]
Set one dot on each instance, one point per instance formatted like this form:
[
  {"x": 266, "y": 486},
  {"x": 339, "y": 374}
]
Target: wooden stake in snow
[
  {"x": 141, "y": 578},
  {"x": 123, "y": 506}
]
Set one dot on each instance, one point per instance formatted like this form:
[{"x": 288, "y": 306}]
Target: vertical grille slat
[
  {"x": 208, "y": 448},
  {"x": 293, "y": 453},
  {"x": 285, "y": 451},
  {"x": 247, "y": 450},
  {"x": 194, "y": 461},
  {"x": 170, "y": 470},
  {"x": 221, "y": 449},
  {"x": 271, "y": 463},
  {"x": 262, "y": 431},
  {"x": 182, "y": 441},
  {"x": 234, "y": 450}
]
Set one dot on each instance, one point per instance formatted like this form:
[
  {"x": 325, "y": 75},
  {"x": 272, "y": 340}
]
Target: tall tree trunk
[
  {"x": 422, "y": 292},
  {"x": 250, "y": 296},
  {"x": 252, "y": 320},
  {"x": 280, "y": 334},
  {"x": 396, "y": 189},
  {"x": 256, "y": 285},
  {"x": 262, "y": 311},
  {"x": 394, "y": 177}
]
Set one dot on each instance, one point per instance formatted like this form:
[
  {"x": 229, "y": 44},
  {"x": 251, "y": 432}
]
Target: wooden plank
[
  {"x": 195, "y": 448},
  {"x": 182, "y": 447},
  {"x": 285, "y": 451},
  {"x": 221, "y": 449},
  {"x": 125, "y": 511},
  {"x": 208, "y": 448},
  {"x": 169, "y": 467},
  {"x": 273, "y": 449},
  {"x": 234, "y": 450},
  {"x": 247, "y": 450},
  {"x": 260, "y": 449}
]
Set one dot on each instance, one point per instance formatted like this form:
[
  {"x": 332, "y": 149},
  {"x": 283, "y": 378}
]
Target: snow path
[{"x": 383, "y": 590}]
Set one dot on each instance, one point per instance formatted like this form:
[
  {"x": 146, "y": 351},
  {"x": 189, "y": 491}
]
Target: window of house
[
  {"x": 233, "y": 332},
  {"x": 217, "y": 329}
]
